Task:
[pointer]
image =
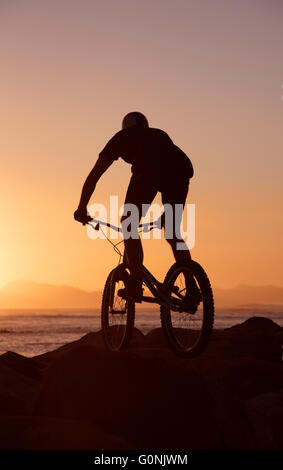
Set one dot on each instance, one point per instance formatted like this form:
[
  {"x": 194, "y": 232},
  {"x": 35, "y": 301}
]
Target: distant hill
[
  {"x": 244, "y": 294},
  {"x": 29, "y": 294}
]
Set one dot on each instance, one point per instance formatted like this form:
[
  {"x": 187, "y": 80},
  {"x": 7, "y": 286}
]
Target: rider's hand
[{"x": 82, "y": 216}]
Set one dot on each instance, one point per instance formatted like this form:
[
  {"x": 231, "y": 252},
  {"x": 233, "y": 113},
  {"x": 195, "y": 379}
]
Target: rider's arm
[
  {"x": 90, "y": 183},
  {"x": 106, "y": 157}
]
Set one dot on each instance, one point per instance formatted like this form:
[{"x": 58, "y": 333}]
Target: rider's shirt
[{"x": 149, "y": 151}]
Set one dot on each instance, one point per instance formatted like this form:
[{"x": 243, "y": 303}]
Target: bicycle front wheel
[
  {"x": 188, "y": 330},
  {"x": 117, "y": 314}
]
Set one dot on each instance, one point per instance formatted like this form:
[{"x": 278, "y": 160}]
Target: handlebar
[
  {"x": 106, "y": 224},
  {"x": 147, "y": 225}
]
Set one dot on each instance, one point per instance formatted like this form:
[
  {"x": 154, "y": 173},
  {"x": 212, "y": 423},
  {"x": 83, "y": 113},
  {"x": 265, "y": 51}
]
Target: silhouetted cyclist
[{"x": 157, "y": 165}]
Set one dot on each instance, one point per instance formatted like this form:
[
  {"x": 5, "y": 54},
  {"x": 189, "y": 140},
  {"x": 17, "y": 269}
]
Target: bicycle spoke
[
  {"x": 115, "y": 312},
  {"x": 185, "y": 326}
]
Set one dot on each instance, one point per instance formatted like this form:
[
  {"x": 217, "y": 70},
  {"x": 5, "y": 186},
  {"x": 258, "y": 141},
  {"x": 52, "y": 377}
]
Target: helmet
[{"x": 134, "y": 119}]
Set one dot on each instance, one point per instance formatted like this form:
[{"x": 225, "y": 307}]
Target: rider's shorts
[{"x": 143, "y": 188}]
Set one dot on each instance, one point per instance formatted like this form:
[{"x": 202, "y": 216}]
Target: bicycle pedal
[
  {"x": 190, "y": 307},
  {"x": 175, "y": 289},
  {"x": 123, "y": 294}
]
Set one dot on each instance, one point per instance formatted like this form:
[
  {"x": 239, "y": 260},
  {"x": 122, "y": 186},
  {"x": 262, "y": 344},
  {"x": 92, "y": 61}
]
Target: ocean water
[{"x": 32, "y": 332}]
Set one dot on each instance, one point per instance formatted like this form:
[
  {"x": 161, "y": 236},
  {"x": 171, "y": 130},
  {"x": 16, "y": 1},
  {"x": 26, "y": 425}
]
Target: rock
[
  {"x": 83, "y": 396},
  {"x": 42, "y": 433},
  {"x": 25, "y": 366},
  {"x": 145, "y": 401},
  {"x": 256, "y": 325},
  {"x": 19, "y": 383},
  {"x": 249, "y": 377},
  {"x": 232, "y": 422},
  {"x": 257, "y": 337},
  {"x": 265, "y": 414},
  {"x": 94, "y": 339},
  {"x": 156, "y": 338}
]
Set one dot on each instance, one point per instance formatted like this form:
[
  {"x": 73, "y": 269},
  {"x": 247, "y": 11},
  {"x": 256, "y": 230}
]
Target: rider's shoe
[
  {"x": 133, "y": 290},
  {"x": 193, "y": 297}
]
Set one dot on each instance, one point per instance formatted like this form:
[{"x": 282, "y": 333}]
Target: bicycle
[{"x": 187, "y": 325}]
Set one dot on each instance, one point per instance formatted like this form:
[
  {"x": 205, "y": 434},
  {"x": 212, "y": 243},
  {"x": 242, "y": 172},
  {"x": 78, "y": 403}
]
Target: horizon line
[{"x": 101, "y": 289}]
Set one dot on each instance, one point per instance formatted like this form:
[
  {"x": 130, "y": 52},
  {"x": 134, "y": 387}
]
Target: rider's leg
[
  {"x": 134, "y": 252},
  {"x": 141, "y": 191},
  {"x": 175, "y": 192},
  {"x": 179, "y": 254}
]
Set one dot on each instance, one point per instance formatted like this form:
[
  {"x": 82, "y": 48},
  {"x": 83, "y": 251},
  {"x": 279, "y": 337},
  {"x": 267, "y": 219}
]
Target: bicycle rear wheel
[
  {"x": 117, "y": 314},
  {"x": 188, "y": 331}
]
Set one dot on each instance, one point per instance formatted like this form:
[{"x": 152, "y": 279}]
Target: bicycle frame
[{"x": 155, "y": 287}]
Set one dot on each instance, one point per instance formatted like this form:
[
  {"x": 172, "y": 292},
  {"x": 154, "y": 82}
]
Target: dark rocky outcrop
[{"x": 83, "y": 396}]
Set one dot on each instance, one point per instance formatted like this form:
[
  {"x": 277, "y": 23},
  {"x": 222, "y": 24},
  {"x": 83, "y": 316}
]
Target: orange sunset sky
[{"x": 208, "y": 72}]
